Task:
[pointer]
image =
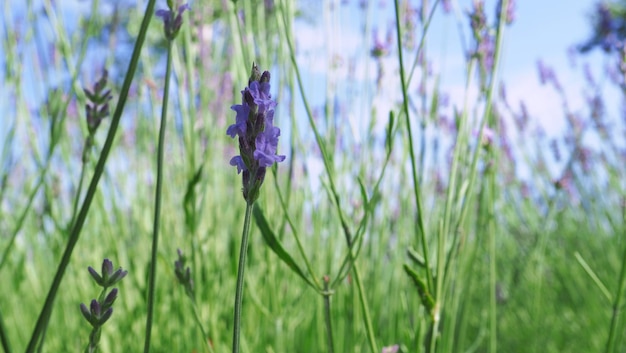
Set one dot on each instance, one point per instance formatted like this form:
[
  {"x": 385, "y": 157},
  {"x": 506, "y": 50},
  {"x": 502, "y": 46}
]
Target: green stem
[
  {"x": 328, "y": 167},
  {"x": 366, "y": 313},
  {"x": 4, "y": 338},
  {"x": 416, "y": 190},
  {"x": 328, "y": 320},
  {"x": 157, "y": 199},
  {"x": 79, "y": 190},
  {"x": 91, "y": 191},
  {"x": 205, "y": 337},
  {"x": 617, "y": 303},
  {"x": 240, "y": 272}
]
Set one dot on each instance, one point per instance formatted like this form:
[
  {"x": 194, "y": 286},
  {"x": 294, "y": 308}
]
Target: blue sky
[{"x": 541, "y": 30}]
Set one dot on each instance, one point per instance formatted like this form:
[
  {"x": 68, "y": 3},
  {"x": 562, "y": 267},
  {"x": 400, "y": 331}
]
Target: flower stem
[
  {"x": 4, "y": 339},
  {"x": 157, "y": 200},
  {"x": 91, "y": 190},
  {"x": 617, "y": 303},
  {"x": 205, "y": 337},
  {"x": 329, "y": 328},
  {"x": 240, "y": 271}
]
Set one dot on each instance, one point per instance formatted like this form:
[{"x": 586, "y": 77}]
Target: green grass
[{"x": 500, "y": 259}]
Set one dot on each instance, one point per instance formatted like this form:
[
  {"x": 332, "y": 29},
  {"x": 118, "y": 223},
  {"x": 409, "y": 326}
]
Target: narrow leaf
[{"x": 276, "y": 246}]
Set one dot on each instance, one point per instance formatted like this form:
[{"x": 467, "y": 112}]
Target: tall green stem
[
  {"x": 157, "y": 200},
  {"x": 416, "y": 190},
  {"x": 617, "y": 303},
  {"x": 327, "y": 317},
  {"x": 240, "y": 272},
  {"x": 91, "y": 191},
  {"x": 4, "y": 339}
]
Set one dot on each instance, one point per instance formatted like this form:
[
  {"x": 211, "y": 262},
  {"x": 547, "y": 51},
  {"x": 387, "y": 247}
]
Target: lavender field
[{"x": 312, "y": 176}]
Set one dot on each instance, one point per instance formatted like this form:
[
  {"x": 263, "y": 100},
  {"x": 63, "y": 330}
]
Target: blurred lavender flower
[
  {"x": 488, "y": 136},
  {"x": 172, "y": 20},
  {"x": 547, "y": 75},
  {"x": 258, "y": 137},
  {"x": 184, "y": 274},
  {"x": 98, "y": 106},
  {"x": 379, "y": 48},
  {"x": 485, "y": 51},
  {"x": 510, "y": 11},
  {"x": 609, "y": 28},
  {"x": 478, "y": 19},
  {"x": 485, "y": 42},
  {"x": 391, "y": 349}
]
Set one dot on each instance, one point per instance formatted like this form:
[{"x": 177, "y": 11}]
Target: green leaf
[
  {"x": 389, "y": 132},
  {"x": 427, "y": 299},
  {"x": 276, "y": 246}
]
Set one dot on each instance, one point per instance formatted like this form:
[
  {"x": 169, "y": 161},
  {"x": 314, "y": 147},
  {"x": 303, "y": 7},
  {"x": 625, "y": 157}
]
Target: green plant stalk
[
  {"x": 368, "y": 210},
  {"x": 205, "y": 337},
  {"x": 422, "y": 42},
  {"x": 594, "y": 277},
  {"x": 617, "y": 303},
  {"x": 474, "y": 164},
  {"x": 235, "y": 17},
  {"x": 335, "y": 194},
  {"x": 416, "y": 191},
  {"x": 190, "y": 138},
  {"x": 243, "y": 251},
  {"x": 4, "y": 338},
  {"x": 157, "y": 199},
  {"x": 491, "y": 234},
  {"x": 79, "y": 190},
  {"x": 364, "y": 308},
  {"x": 106, "y": 149},
  {"x": 493, "y": 318},
  {"x": 424, "y": 120},
  {"x": 318, "y": 137},
  {"x": 288, "y": 219},
  {"x": 328, "y": 318}
]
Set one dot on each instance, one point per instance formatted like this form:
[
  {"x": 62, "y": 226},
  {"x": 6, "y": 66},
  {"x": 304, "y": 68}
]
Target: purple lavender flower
[
  {"x": 98, "y": 106},
  {"x": 266, "y": 143},
  {"x": 510, "y": 11},
  {"x": 485, "y": 51},
  {"x": 108, "y": 277},
  {"x": 184, "y": 275},
  {"x": 172, "y": 20},
  {"x": 478, "y": 19},
  {"x": 239, "y": 128},
  {"x": 261, "y": 95},
  {"x": 101, "y": 309},
  {"x": 258, "y": 137}
]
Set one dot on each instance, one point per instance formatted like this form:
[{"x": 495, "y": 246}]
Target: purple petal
[
  {"x": 239, "y": 127},
  {"x": 266, "y": 144},
  {"x": 238, "y": 161},
  {"x": 182, "y": 8},
  {"x": 261, "y": 94},
  {"x": 164, "y": 14}
]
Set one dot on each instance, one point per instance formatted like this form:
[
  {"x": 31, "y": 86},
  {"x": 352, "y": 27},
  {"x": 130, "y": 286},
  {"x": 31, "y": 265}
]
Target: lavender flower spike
[
  {"x": 258, "y": 137},
  {"x": 172, "y": 20}
]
